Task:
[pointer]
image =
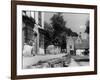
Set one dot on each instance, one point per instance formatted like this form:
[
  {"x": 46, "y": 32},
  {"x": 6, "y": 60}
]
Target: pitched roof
[{"x": 83, "y": 45}]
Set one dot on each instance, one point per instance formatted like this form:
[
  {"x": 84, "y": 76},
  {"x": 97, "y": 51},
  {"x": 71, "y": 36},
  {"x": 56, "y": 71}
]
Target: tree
[
  {"x": 58, "y": 23},
  {"x": 87, "y": 27},
  {"x": 57, "y": 31},
  {"x": 49, "y": 33},
  {"x": 49, "y": 29},
  {"x": 59, "y": 35},
  {"x": 69, "y": 32},
  {"x": 74, "y": 34},
  {"x": 60, "y": 29}
]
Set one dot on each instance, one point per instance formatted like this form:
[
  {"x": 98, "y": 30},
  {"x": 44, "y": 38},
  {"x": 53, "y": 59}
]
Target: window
[{"x": 70, "y": 46}]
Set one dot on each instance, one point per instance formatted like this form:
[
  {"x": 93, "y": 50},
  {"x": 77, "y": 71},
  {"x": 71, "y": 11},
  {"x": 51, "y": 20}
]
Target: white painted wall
[{"x": 5, "y": 40}]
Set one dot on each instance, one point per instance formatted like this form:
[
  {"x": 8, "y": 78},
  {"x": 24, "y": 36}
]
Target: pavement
[
  {"x": 30, "y": 60},
  {"x": 73, "y": 63},
  {"x": 81, "y": 63}
]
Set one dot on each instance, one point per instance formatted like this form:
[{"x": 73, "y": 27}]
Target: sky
[{"x": 75, "y": 21}]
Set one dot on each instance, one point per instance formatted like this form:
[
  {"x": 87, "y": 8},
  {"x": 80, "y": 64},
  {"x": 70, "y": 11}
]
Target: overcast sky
[{"x": 75, "y": 21}]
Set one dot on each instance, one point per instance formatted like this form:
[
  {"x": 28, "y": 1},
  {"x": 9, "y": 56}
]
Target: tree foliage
[
  {"x": 58, "y": 23},
  {"x": 58, "y": 30},
  {"x": 49, "y": 34},
  {"x": 87, "y": 27}
]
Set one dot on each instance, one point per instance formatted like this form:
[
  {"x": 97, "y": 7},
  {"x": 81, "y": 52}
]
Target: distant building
[{"x": 76, "y": 45}]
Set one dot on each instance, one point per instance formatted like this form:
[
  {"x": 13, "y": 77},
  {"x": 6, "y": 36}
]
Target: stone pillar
[
  {"x": 42, "y": 23},
  {"x": 37, "y": 40}
]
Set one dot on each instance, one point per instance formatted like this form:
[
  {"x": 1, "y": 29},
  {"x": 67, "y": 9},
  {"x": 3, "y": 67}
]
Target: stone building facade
[{"x": 32, "y": 21}]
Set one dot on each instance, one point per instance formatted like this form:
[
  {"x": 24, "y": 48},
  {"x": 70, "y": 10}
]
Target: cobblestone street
[{"x": 31, "y": 60}]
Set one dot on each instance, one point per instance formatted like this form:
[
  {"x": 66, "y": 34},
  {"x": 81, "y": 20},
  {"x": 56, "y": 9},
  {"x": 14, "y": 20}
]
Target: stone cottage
[{"x": 76, "y": 45}]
